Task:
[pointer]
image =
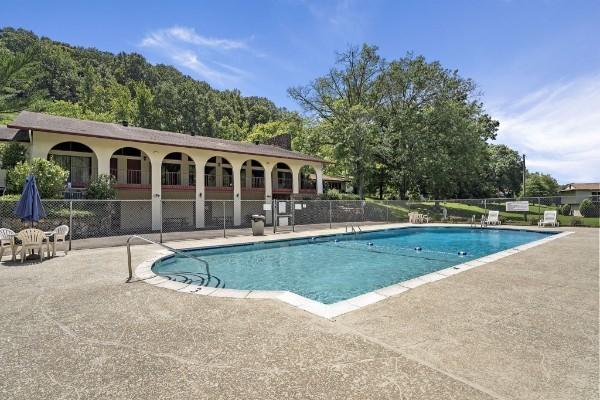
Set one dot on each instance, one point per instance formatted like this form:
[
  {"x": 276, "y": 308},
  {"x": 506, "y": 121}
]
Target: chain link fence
[{"x": 112, "y": 218}]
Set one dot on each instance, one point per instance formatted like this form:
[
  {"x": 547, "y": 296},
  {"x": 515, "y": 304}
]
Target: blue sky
[{"x": 536, "y": 62}]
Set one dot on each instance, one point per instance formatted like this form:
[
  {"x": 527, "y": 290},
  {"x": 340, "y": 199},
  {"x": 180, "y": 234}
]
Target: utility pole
[{"x": 524, "y": 169}]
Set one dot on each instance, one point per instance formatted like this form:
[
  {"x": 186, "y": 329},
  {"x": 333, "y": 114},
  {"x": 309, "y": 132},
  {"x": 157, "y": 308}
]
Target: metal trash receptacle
[{"x": 258, "y": 225}]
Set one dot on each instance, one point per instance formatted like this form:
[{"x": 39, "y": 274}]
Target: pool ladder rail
[
  {"x": 179, "y": 252},
  {"x": 354, "y": 229}
]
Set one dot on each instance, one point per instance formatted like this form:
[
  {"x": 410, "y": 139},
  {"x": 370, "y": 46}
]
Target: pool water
[{"x": 332, "y": 268}]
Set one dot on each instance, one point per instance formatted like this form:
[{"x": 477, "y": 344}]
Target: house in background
[
  {"x": 157, "y": 165},
  {"x": 575, "y": 193}
]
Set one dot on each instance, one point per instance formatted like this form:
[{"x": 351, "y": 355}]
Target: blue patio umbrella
[{"x": 29, "y": 208}]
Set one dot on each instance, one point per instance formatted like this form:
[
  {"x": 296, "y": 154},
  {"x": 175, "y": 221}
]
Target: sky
[{"x": 536, "y": 62}]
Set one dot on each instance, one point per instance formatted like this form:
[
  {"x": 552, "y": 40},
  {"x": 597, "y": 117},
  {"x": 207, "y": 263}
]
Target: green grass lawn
[{"x": 461, "y": 212}]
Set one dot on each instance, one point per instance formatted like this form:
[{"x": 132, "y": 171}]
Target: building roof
[
  {"x": 104, "y": 130},
  {"x": 331, "y": 178},
  {"x": 10, "y": 134},
  {"x": 581, "y": 186}
]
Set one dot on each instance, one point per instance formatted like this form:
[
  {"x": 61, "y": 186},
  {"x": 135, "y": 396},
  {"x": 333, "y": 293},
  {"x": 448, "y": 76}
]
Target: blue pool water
[{"x": 337, "y": 267}]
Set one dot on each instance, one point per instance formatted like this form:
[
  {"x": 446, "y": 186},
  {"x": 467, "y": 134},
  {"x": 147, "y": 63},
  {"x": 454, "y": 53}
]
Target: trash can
[{"x": 258, "y": 225}]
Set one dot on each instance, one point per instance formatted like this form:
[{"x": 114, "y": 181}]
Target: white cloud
[
  {"x": 558, "y": 127},
  {"x": 197, "y": 53}
]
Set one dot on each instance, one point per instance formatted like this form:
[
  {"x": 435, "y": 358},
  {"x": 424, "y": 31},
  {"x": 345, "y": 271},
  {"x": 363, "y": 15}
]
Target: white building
[{"x": 156, "y": 165}]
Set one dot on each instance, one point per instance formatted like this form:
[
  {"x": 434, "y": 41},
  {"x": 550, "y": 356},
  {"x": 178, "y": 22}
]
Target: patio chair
[
  {"x": 59, "y": 236},
  {"x": 7, "y": 239},
  {"x": 493, "y": 218},
  {"x": 423, "y": 218},
  {"x": 550, "y": 218},
  {"x": 413, "y": 218},
  {"x": 32, "y": 239}
]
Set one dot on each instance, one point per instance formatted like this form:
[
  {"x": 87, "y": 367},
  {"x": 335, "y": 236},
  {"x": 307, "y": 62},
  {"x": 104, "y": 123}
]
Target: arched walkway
[{"x": 78, "y": 159}]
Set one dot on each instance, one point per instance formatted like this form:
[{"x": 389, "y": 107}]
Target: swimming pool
[{"x": 332, "y": 268}]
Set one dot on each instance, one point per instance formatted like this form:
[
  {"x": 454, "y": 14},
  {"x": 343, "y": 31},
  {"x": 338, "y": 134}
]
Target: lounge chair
[
  {"x": 32, "y": 239},
  {"x": 7, "y": 239},
  {"x": 493, "y": 218},
  {"x": 423, "y": 218},
  {"x": 59, "y": 236},
  {"x": 550, "y": 218}
]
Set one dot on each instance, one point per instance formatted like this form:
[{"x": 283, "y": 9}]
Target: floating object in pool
[
  {"x": 462, "y": 253},
  {"x": 336, "y": 240},
  {"x": 418, "y": 248},
  {"x": 313, "y": 239},
  {"x": 370, "y": 244}
]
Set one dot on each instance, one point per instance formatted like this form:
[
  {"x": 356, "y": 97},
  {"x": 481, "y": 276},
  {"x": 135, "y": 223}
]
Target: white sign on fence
[
  {"x": 283, "y": 221},
  {"x": 517, "y": 206},
  {"x": 282, "y": 207},
  {"x": 298, "y": 206},
  {"x": 267, "y": 207}
]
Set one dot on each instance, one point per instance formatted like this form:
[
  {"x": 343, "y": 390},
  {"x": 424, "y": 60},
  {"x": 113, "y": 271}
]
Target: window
[{"x": 79, "y": 168}]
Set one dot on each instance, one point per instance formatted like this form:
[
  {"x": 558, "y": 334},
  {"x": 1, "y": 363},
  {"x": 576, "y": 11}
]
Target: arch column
[
  {"x": 237, "y": 193},
  {"x": 104, "y": 156},
  {"x": 155, "y": 167},
  {"x": 200, "y": 192},
  {"x": 319, "y": 173},
  {"x": 295, "y": 179},
  {"x": 268, "y": 190}
]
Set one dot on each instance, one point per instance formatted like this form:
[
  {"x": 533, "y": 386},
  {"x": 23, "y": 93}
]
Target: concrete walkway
[{"x": 523, "y": 327}]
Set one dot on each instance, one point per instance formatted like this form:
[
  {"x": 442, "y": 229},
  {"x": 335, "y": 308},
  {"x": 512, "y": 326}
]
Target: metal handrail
[
  {"x": 166, "y": 247},
  {"x": 353, "y": 228}
]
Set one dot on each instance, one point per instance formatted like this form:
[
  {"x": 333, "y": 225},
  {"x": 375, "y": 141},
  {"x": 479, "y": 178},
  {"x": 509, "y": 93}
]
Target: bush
[
  {"x": 11, "y": 154},
  {"x": 334, "y": 194},
  {"x": 565, "y": 209},
  {"x": 50, "y": 177},
  {"x": 588, "y": 208},
  {"x": 102, "y": 188}
]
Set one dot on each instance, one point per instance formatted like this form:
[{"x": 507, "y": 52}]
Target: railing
[
  {"x": 134, "y": 177},
  {"x": 258, "y": 182},
  {"x": 171, "y": 178},
  {"x": 211, "y": 181},
  {"x": 227, "y": 180},
  {"x": 166, "y": 247},
  {"x": 284, "y": 183},
  {"x": 192, "y": 178},
  {"x": 355, "y": 229}
]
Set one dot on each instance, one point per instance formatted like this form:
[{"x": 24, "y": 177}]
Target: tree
[
  {"x": 11, "y": 154},
  {"x": 16, "y": 74},
  {"x": 505, "y": 170},
  {"x": 540, "y": 185},
  {"x": 50, "y": 177},
  {"x": 347, "y": 99}
]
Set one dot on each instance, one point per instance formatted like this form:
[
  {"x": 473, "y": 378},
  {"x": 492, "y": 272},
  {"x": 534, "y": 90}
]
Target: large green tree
[{"x": 347, "y": 99}]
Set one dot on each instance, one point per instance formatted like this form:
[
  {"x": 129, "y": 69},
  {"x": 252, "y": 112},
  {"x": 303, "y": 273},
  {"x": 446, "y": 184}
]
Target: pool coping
[{"x": 144, "y": 271}]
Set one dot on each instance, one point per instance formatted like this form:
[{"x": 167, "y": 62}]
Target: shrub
[
  {"x": 50, "y": 177},
  {"x": 565, "y": 209},
  {"x": 334, "y": 194},
  {"x": 102, "y": 188},
  {"x": 11, "y": 154},
  {"x": 587, "y": 208}
]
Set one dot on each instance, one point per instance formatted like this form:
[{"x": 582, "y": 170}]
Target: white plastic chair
[
  {"x": 59, "y": 236},
  {"x": 7, "y": 239},
  {"x": 32, "y": 239},
  {"x": 550, "y": 218},
  {"x": 493, "y": 217}
]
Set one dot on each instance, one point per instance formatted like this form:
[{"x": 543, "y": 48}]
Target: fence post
[
  {"x": 387, "y": 213},
  {"x": 161, "y": 221},
  {"x": 293, "y": 216},
  {"x": 330, "y": 214},
  {"x": 70, "y": 223},
  {"x": 274, "y": 214},
  {"x": 485, "y": 204},
  {"x": 224, "y": 221}
]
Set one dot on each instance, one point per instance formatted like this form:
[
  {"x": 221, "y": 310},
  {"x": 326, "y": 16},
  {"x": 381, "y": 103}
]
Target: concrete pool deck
[{"x": 524, "y": 326}]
